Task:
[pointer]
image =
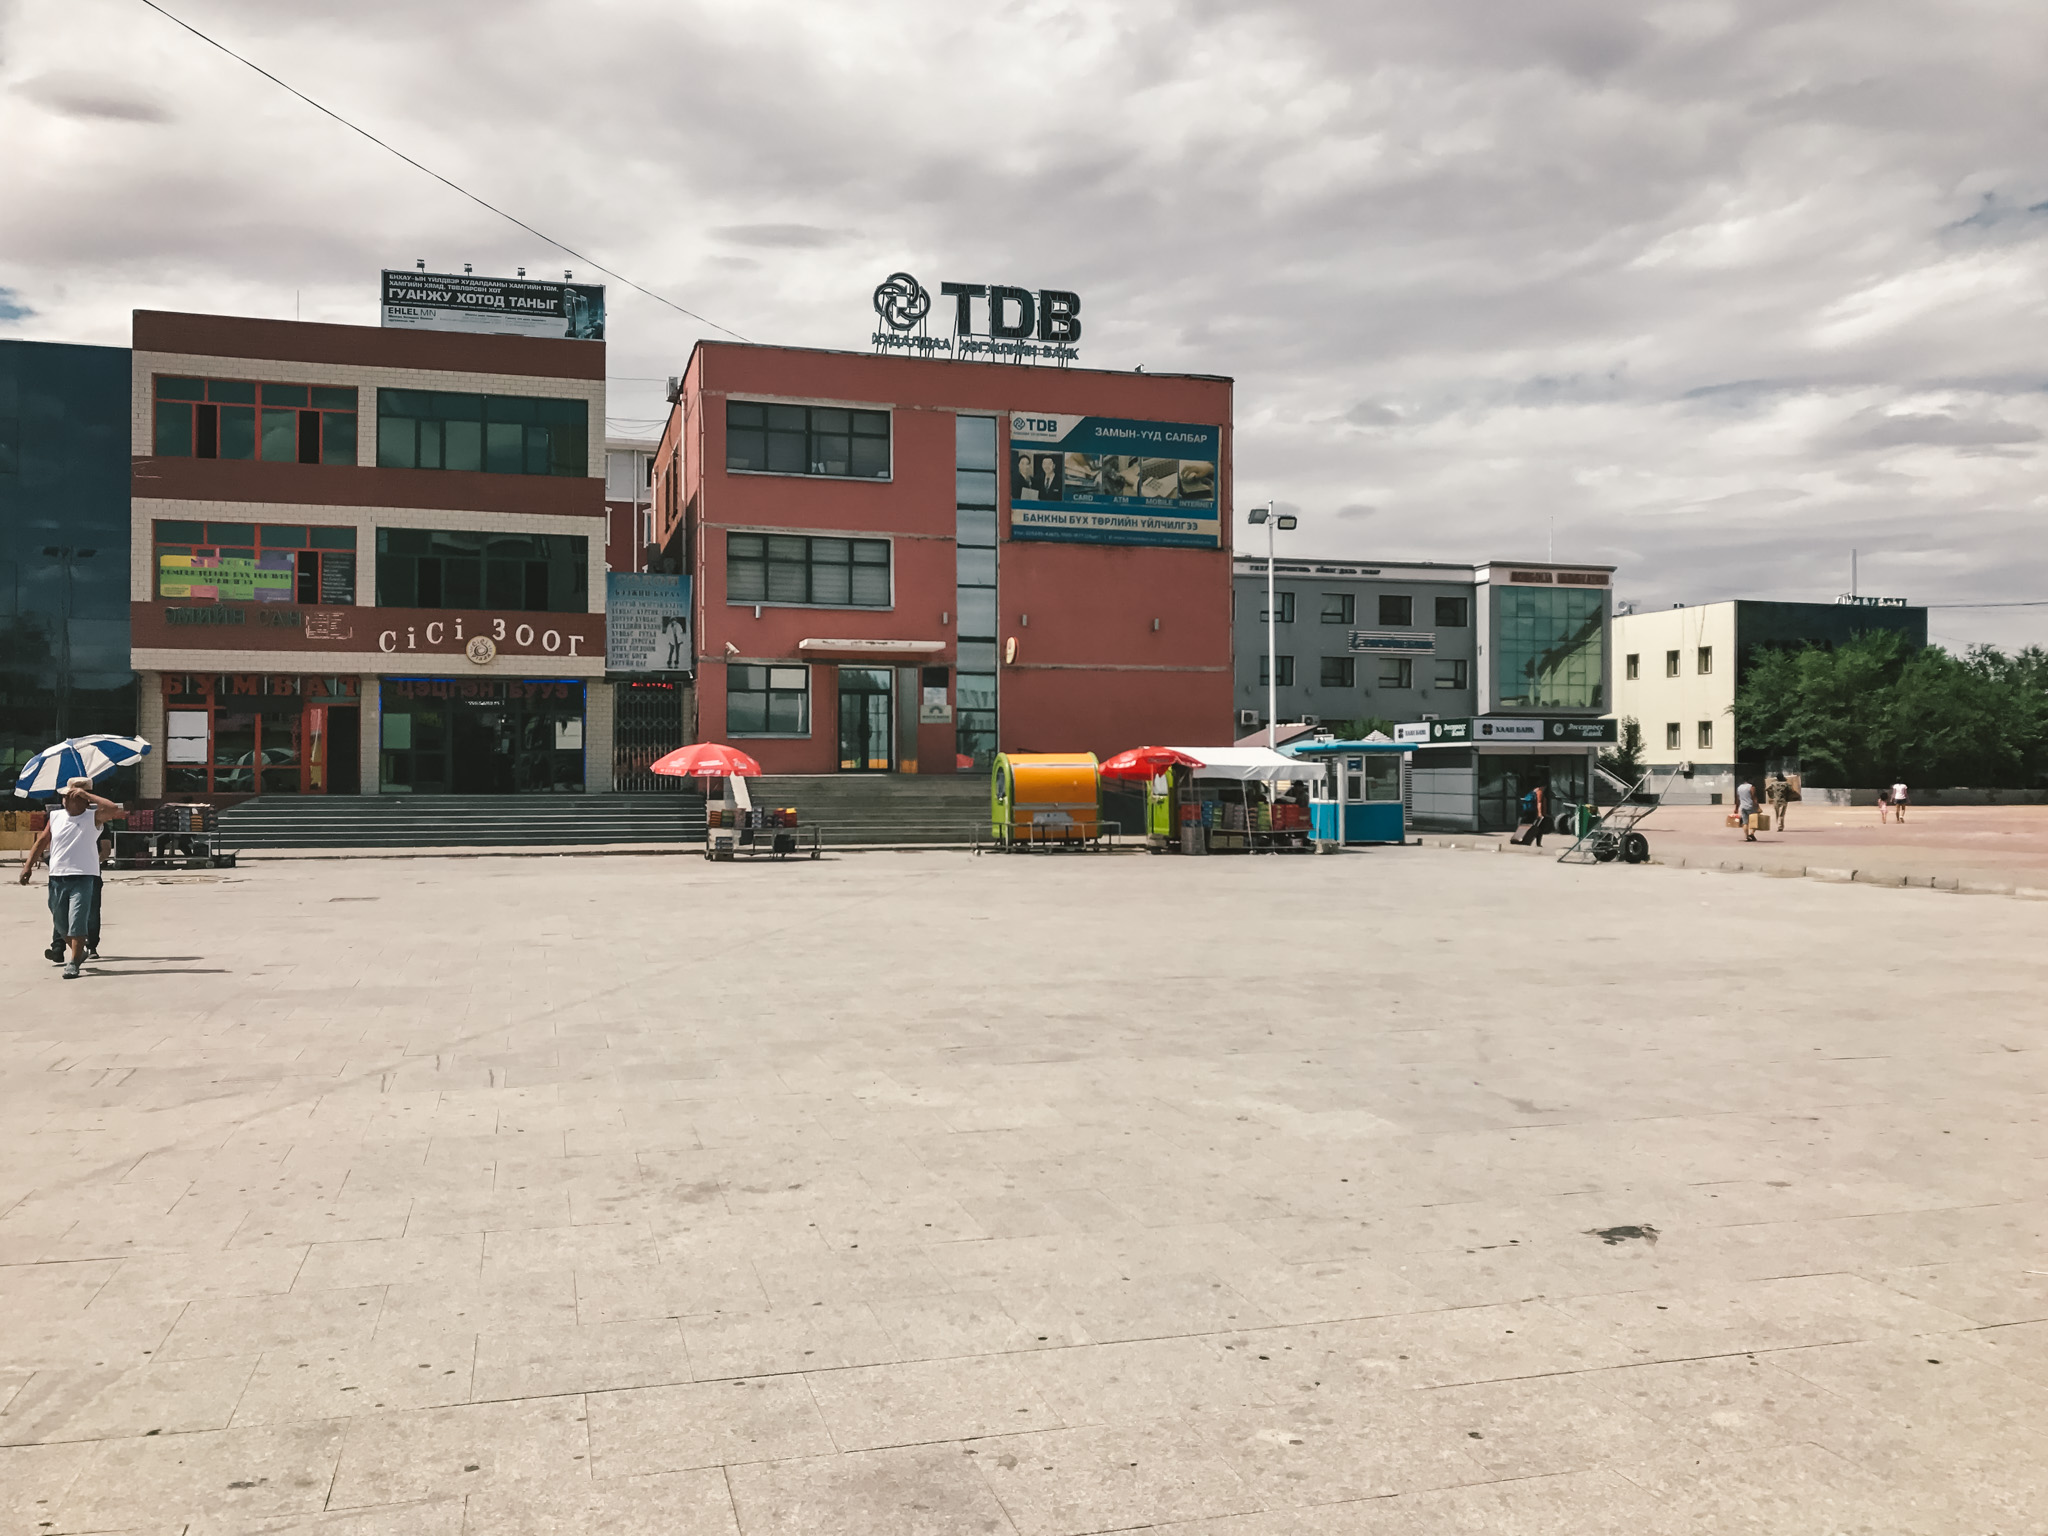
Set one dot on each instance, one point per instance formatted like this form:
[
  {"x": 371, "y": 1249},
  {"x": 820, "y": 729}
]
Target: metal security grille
[{"x": 648, "y": 725}]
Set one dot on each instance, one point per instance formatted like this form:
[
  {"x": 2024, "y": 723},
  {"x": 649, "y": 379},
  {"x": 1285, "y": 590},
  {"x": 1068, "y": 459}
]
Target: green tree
[
  {"x": 1872, "y": 709},
  {"x": 1625, "y": 758}
]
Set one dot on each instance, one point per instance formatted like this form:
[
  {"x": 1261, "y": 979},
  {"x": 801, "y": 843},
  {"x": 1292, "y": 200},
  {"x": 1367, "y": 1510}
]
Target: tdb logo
[
  {"x": 1013, "y": 314},
  {"x": 1034, "y": 425}
]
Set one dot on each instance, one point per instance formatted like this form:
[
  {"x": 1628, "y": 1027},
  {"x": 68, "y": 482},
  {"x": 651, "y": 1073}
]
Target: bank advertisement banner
[
  {"x": 493, "y": 306},
  {"x": 646, "y": 623},
  {"x": 1107, "y": 480}
]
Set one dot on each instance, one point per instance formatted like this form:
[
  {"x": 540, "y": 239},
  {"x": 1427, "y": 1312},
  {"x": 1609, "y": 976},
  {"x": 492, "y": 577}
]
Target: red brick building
[{"x": 905, "y": 564}]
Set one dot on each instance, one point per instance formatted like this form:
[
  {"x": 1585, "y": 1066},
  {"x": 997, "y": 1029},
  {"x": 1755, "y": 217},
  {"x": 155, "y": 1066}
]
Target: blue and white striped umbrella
[{"x": 44, "y": 776}]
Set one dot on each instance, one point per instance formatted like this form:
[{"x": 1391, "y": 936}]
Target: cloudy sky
[{"x": 1714, "y": 290}]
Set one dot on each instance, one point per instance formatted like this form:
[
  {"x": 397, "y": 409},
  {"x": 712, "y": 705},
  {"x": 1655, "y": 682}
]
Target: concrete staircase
[
  {"x": 460, "y": 821},
  {"x": 852, "y": 809}
]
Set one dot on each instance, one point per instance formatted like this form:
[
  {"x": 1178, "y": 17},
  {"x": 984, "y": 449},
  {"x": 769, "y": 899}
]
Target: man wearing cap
[{"x": 72, "y": 840}]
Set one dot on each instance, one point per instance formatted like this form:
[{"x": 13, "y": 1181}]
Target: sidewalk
[{"x": 1980, "y": 850}]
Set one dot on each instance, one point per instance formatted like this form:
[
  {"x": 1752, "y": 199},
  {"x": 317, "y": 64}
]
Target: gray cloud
[
  {"x": 1875, "y": 429},
  {"x": 11, "y": 307},
  {"x": 793, "y": 237},
  {"x": 1663, "y": 274},
  {"x": 73, "y": 94}
]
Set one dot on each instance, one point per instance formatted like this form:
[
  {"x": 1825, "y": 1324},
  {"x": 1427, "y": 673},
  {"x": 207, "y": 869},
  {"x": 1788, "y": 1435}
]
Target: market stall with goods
[
  {"x": 1220, "y": 799},
  {"x": 733, "y": 824}
]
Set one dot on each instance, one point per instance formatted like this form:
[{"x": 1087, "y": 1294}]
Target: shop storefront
[
  {"x": 261, "y": 733},
  {"x": 1470, "y": 775},
  {"x": 481, "y": 736}
]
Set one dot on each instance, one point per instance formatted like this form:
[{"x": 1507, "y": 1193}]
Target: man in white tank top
[{"x": 72, "y": 840}]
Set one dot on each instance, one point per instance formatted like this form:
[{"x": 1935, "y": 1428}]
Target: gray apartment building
[{"x": 1508, "y": 664}]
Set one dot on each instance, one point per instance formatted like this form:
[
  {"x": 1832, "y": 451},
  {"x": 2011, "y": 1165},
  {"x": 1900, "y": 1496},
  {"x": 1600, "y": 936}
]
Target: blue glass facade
[{"x": 64, "y": 484}]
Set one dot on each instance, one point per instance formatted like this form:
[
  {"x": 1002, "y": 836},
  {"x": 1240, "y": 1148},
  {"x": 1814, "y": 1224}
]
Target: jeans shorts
[{"x": 71, "y": 904}]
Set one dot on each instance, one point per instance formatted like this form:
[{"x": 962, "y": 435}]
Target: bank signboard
[
  {"x": 646, "y": 624},
  {"x": 493, "y": 306},
  {"x": 1109, "y": 480},
  {"x": 1489, "y": 728},
  {"x": 1394, "y": 642}
]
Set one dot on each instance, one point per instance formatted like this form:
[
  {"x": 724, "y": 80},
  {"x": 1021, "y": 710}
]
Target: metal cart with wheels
[{"x": 1613, "y": 835}]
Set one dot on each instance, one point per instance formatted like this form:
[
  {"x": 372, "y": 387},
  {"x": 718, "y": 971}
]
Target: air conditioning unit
[
  {"x": 1311, "y": 720},
  {"x": 1247, "y": 717}
]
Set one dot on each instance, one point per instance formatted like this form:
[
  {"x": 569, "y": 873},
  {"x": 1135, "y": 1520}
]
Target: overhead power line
[
  {"x": 590, "y": 261},
  {"x": 2040, "y": 602}
]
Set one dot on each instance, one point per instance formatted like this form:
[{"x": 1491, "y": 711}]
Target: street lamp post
[
  {"x": 1284, "y": 521},
  {"x": 68, "y": 555}
]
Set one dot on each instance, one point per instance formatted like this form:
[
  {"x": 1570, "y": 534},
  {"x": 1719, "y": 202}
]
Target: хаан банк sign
[{"x": 1105, "y": 480}]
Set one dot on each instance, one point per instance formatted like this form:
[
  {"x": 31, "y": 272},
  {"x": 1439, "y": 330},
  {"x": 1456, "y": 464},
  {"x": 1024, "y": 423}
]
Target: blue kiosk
[{"x": 1358, "y": 797}]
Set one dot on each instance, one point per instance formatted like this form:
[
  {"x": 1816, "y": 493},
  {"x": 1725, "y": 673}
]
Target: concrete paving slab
[{"x": 920, "y": 1192}]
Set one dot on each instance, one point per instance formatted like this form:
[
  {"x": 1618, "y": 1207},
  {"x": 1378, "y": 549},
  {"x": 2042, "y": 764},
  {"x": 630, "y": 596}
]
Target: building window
[
  {"x": 629, "y": 475},
  {"x": 804, "y": 572},
  {"x": 1706, "y": 734},
  {"x": 1286, "y": 602},
  {"x": 1671, "y": 742},
  {"x": 241, "y": 419},
  {"x": 1453, "y": 612},
  {"x": 500, "y": 434},
  {"x": 1338, "y": 607},
  {"x": 1635, "y": 666},
  {"x": 512, "y": 572},
  {"x": 1339, "y": 672},
  {"x": 806, "y": 440},
  {"x": 1286, "y": 671},
  {"x": 1671, "y": 663},
  {"x": 1549, "y": 648},
  {"x": 974, "y": 616},
  {"x": 1397, "y": 672},
  {"x": 1396, "y": 610},
  {"x": 255, "y": 563},
  {"x": 1453, "y": 674},
  {"x": 767, "y": 701},
  {"x": 1706, "y": 660}
]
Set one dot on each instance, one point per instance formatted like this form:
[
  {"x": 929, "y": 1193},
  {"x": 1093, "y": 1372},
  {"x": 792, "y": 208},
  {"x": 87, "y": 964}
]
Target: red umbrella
[
  {"x": 1146, "y": 763},
  {"x": 707, "y": 760}
]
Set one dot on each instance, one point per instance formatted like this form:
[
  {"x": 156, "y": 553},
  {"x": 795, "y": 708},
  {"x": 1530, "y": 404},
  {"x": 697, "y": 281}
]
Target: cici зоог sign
[{"x": 390, "y": 631}]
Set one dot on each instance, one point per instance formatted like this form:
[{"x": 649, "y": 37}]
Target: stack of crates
[{"x": 187, "y": 820}]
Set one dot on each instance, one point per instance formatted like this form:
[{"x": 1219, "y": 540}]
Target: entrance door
[
  {"x": 865, "y": 734},
  {"x": 344, "y": 751}
]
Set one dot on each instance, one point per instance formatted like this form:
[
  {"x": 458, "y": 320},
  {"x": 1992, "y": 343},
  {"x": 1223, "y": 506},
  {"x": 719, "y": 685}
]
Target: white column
[
  {"x": 149, "y": 724},
  {"x": 370, "y": 748},
  {"x": 597, "y": 737}
]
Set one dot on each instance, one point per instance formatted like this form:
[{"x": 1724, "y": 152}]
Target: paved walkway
[
  {"x": 1999, "y": 850},
  {"x": 1398, "y": 1192}
]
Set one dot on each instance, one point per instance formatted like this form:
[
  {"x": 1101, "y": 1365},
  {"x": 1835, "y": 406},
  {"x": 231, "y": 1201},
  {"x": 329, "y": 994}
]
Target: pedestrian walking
[
  {"x": 1899, "y": 801},
  {"x": 1535, "y": 809},
  {"x": 1777, "y": 794},
  {"x": 1745, "y": 810},
  {"x": 55, "y": 952},
  {"x": 71, "y": 841}
]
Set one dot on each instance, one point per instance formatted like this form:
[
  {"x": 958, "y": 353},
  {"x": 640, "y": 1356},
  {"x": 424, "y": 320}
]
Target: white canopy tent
[{"x": 1243, "y": 763}]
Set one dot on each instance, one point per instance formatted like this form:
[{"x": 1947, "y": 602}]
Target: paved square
[{"x": 1403, "y": 1192}]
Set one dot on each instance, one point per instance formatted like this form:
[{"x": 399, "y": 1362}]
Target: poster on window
[
  {"x": 265, "y": 579},
  {"x": 1107, "y": 480},
  {"x": 495, "y": 306},
  {"x": 646, "y": 624}
]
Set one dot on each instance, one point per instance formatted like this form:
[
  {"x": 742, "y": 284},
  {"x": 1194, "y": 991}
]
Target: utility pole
[{"x": 67, "y": 555}]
